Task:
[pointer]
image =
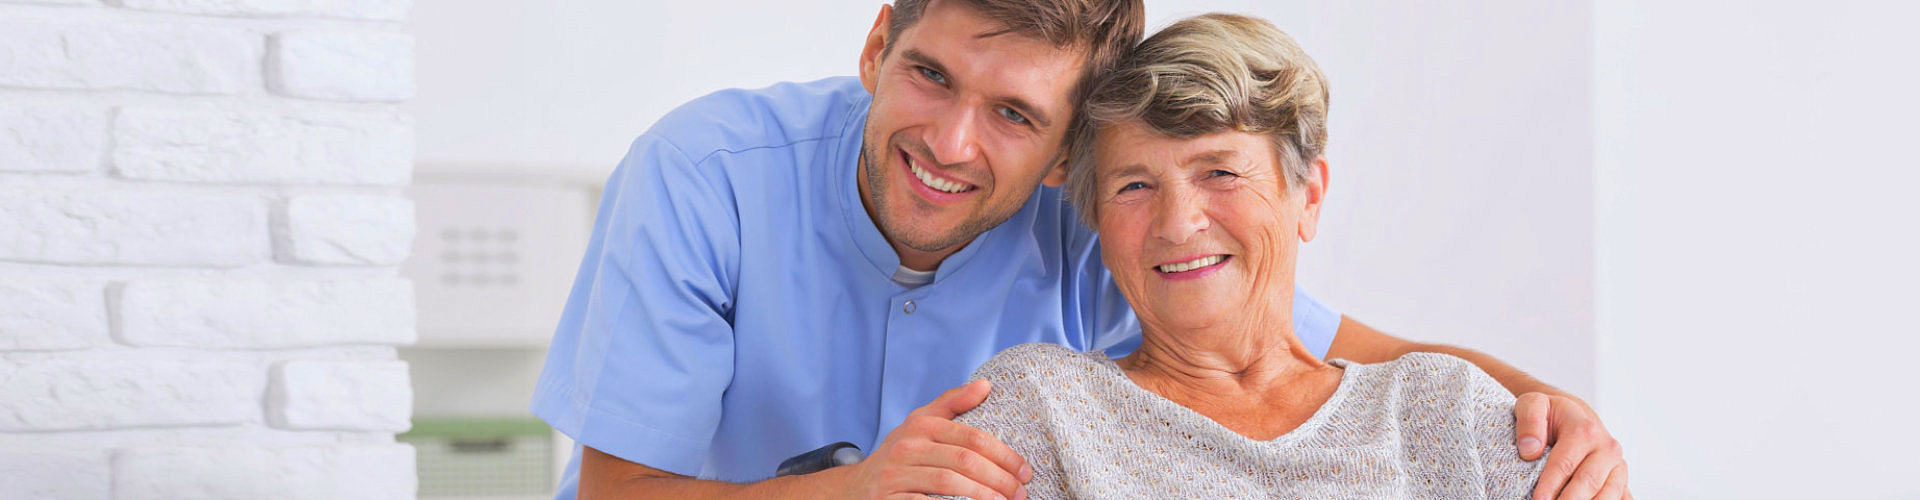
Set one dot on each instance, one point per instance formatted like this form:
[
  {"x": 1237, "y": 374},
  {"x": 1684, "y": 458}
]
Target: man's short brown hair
[{"x": 1105, "y": 29}]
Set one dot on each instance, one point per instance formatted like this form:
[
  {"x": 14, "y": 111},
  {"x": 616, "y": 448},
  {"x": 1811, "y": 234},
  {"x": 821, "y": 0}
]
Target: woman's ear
[
  {"x": 1314, "y": 195},
  {"x": 875, "y": 49}
]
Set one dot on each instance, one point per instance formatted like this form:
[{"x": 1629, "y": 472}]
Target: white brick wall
[
  {"x": 347, "y": 229},
  {"x": 66, "y": 475},
  {"x": 342, "y": 66},
  {"x": 369, "y": 472},
  {"x": 201, "y": 220}
]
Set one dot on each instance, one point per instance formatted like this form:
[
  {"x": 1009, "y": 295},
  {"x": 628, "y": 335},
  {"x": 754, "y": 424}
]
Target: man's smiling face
[{"x": 967, "y": 120}]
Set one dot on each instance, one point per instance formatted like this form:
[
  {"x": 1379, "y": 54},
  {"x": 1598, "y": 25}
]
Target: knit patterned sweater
[{"x": 1425, "y": 426}]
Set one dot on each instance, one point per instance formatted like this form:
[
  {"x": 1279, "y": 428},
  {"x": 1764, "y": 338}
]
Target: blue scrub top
[{"x": 736, "y": 306}]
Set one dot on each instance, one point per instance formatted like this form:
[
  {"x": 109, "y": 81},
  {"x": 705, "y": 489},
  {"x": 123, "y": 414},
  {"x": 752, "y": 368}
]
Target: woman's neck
[{"x": 1253, "y": 377}]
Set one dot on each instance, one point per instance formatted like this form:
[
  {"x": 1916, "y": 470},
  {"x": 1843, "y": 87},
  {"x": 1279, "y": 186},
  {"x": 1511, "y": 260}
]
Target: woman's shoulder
[
  {"x": 1432, "y": 375},
  {"x": 1428, "y": 388},
  {"x": 1032, "y": 375},
  {"x": 1041, "y": 363}
]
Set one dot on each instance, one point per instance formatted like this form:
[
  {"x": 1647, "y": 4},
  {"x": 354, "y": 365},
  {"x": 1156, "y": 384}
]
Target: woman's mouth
[{"x": 1194, "y": 267}]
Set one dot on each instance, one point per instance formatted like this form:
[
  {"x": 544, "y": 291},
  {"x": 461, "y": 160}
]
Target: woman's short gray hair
[{"x": 1206, "y": 74}]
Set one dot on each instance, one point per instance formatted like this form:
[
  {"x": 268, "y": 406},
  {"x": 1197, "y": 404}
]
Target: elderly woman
[{"x": 1204, "y": 178}]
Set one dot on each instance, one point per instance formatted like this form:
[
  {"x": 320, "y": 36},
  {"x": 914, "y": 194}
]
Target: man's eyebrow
[
  {"x": 921, "y": 58},
  {"x": 1034, "y": 113}
]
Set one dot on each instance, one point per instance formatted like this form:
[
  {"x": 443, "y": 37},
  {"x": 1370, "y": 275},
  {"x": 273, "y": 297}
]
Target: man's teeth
[
  {"x": 1192, "y": 264},
  {"x": 936, "y": 183}
]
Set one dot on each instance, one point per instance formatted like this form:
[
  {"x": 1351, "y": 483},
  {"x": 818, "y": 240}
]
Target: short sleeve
[{"x": 644, "y": 349}]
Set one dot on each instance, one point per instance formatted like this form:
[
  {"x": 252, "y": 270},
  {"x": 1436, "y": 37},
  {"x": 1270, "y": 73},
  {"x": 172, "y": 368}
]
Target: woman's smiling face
[{"x": 1202, "y": 230}]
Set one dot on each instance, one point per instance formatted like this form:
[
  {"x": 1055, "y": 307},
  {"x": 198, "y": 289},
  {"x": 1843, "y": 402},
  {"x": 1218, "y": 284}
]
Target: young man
[{"x": 779, "y": 269}]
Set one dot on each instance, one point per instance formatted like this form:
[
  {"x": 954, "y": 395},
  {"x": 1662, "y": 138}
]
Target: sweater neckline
[{"x": 1311, "y": 426}]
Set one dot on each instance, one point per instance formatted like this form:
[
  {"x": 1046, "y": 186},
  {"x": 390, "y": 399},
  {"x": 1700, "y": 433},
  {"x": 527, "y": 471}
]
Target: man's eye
[
  {"x": 1012, "y": 116},
  {"x": 1220, "y": 173},
  {"x": 1132, "y": 186},
  {"x": 932, "y": 75}
]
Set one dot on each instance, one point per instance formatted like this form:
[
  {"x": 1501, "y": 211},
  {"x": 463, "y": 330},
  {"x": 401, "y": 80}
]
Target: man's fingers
[
  {"x": 950, "y": 483},
  {"x": 974, "y": 467},
  {"x": 984, "y": 444},
  {"x": 957, "y": 400},
  {"x": 1530, "y": 412},
  {"x": 1561, "y": 464},
  {"x": 1616, "y": 488},
  {"x": 1591, "y": 476}
]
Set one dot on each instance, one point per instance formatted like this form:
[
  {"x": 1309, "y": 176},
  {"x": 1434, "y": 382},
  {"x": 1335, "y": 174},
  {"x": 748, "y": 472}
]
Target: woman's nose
[{"x": 1180, "y": 215}]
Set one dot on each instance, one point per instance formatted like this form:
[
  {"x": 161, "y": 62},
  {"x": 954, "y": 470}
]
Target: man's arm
[
  {"x": 608, "y": 476},
  {"x": 928, "y": 454},
  {"x": 1586, "y": 461}
]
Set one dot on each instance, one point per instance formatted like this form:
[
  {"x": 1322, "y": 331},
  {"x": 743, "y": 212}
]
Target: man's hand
[
  {"x": 930, "y": 454},
  {"x": 1586, "y": 461}
]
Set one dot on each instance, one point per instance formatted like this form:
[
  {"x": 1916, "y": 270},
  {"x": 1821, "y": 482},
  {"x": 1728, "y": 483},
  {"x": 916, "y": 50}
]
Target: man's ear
[
  {"x": 875, "y": 48},
  {"x": 1057, "y": 174},
  {"x": 1315, "y": 194}
]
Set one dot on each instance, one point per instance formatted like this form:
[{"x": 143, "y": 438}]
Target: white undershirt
[{"x": 910, "y": 278}]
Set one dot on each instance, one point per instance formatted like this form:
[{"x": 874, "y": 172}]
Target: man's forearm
[
  {"x": 1355, "y": 341},
  {"x": 816, "y": 485},
  {"x": 604, "y": 476}
]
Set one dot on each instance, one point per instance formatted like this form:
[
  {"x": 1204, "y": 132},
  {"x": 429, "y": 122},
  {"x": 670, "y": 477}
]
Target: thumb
[
  {"x": 1530, "y": 412},
  {"x": 958, "y": 400}
]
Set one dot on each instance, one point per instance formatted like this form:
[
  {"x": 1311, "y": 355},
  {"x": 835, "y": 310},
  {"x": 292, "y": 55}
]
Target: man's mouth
[
  {"x": 934, "y": 182},
  {"x": 1191, "y": 265}
]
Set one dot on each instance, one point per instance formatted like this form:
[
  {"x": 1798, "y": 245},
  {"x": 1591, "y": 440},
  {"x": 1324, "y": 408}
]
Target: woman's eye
[
  {"x": 1132, "y": 186},
  {"x": 1012, "y": 116},
  {"x": 932, "y": 75},
  {"x": 1220, "y": 173}
]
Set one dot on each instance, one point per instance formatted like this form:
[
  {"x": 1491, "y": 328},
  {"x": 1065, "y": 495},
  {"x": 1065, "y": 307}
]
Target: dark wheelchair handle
[{"x": 822, "y": 458}]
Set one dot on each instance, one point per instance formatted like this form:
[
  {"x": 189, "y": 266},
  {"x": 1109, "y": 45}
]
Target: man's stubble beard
[{"x": 876, "y": 194}]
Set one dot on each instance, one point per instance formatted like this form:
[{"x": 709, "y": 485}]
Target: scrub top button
[{"x": 909, "y": 307}]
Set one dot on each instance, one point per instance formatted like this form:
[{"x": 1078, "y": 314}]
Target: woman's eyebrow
[{"x": 1213, "y": 157}]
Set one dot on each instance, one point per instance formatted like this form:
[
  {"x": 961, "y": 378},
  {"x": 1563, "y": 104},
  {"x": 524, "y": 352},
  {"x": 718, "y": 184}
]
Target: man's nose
[{"x": 953, "y": 140}]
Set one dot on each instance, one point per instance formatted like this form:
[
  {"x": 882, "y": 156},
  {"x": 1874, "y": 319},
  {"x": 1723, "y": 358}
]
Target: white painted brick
[
  {"x": 348, "y": 229},
  {"x": 54, "y": 474},
  {"x": 359, "y": 472},
  {"x": 52, "y": 316},
  {"x": 68, "y": 395},
  {"x": 386, "y": 10},
  {"x": 244, "y": 146},
  {"x": 342, "y": 65},
  {"x": 132, "y": 227},
  {"x": 267, "y": 314},
  {"x": 347, "y": 395},
  {"x": 52, "y": 139},
  {"x": 115, "y": 56}
]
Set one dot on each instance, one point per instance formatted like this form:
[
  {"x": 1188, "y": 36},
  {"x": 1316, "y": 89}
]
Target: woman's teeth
[
  {"x": 938, "y": 184},
  {"x": 1191, "y": 264}
]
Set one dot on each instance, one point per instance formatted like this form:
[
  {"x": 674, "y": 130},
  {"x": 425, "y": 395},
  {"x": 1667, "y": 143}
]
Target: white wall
[
  {"x": 1461, "y": 202},
  {"x": 201, "y": 219},
  {"x": 1757, "y": 244}
]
